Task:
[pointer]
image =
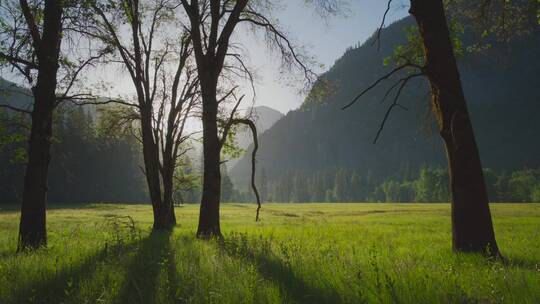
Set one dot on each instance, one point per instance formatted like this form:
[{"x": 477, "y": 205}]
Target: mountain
[
  {"x": 501, "y": 85},
  {"x": 15, "y": 96}
]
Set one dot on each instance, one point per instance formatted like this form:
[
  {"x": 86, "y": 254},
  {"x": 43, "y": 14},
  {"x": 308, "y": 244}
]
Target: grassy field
[{"x": 299, "y": 253}]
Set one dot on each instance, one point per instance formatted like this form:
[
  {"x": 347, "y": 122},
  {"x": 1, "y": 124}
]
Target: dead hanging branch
[
  {"x": 228, "y": 124},
  {"x": 253, "y": 128}
]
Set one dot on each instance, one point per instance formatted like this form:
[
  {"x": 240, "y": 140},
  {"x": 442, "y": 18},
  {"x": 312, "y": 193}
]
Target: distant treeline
[
  {"x": 91, "y": 162},
  {"x": 503, "y": 95},
  {"x": 96, "y": 162},
  {"x": 428, "y": 185}
]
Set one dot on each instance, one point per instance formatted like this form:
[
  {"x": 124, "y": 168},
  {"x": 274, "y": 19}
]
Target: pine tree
[
  {"x": 341, "y": 186},
  {"x": 356, "y": 187}
]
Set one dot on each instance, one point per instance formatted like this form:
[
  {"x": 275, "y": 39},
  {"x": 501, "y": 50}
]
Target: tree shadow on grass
[
  {"x": 154, "y": 254},
  {"x": 173, "y": 280},
  {"x": 292, "y": 286},
  {"x": 60, "y": 285}
]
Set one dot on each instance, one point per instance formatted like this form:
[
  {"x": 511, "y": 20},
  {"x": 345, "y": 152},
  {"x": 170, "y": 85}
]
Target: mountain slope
[
  {"x": 265, "y": 118},
  {"x": 501, "y": 86},
  {"x": 15, "y": 96},
  {"x": 82, "y": 156}
]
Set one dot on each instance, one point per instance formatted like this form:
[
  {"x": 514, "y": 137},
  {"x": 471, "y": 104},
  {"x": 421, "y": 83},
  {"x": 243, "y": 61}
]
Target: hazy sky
[{"x": 325, "y": 39}]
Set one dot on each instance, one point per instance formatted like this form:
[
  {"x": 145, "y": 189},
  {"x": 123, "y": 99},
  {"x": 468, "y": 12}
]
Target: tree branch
[
  {"x": 379, "y": 30},
  {"x": 229, "y": 122},
  {"x": 395, "y": 103},
  {"x": 253, "y": 128},
  {"x": 280, "y": 39},
  {"x": 18, "y": 60},
  {"x": 15, "y": 109},
  {"x": 85, "y": 99},
  {"x": 32, "y": 26},
  {"x": 374, "y": 84}
]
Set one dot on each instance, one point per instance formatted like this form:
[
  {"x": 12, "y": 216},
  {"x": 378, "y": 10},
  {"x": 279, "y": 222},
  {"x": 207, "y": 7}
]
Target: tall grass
[{"x": 298, "y": 253}]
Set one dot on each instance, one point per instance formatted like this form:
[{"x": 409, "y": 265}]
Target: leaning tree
[
  {"x": 212, "y": 25},
  {"x": 472, "y": 228},
  {"x": 157, "y": 58},
  {"x": 41, "y": 48}
]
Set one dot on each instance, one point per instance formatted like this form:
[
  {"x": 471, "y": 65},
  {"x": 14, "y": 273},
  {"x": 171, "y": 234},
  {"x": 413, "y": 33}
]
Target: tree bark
[
  {"x": 472, "y": 228},
  {"x": 209, "y": 225},
  {"x": 210, "y": 52},
  {"x": 32, "y": 227},
  {"x": 164, "y": 217}
]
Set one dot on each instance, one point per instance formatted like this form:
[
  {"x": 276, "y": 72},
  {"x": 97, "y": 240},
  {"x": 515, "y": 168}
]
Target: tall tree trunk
[
  {"x": 152, "y": 171},
  {"x": 32, "y": 227},
  {"x": 166, "y": 216},
  {"x": 472, "y": 229},
  {"x": 210, "y": 52},
  {"x": 209, "y": 225}
]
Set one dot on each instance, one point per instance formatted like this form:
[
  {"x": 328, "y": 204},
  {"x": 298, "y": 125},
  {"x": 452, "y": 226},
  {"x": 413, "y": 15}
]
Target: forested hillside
[
  {"x": 90, "y": 162},
  {"x": 320, "y": 139},
  {"x": 264, "y": 118}
]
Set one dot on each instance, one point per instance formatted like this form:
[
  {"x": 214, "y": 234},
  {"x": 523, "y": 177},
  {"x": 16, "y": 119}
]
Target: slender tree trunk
[
  {"x": 152, "y": 171},
  {"x": 209, "y": 225},
  {"x": 166, "y": 216},
  {"x": 472, "y": 229},
  {"x": 210, "y": 52},
  {"x": 32, "y": 227}
]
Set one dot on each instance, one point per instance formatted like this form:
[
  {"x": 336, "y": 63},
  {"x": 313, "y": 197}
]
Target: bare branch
[
  {"x": 76, "y": 73},
  {"x": 16, "y": 59},
  {"x": 280, "y": 39},
  {"x": 379, "y": 30},
  {"x": 229, "y": 123},
  {"x": 228, "y": 28},
  {"x": 15, "y": 109},
  {"x": 385, "y": 77},
  {"x": 32, "y": 26},
  {"x": 328, "y": 7},
  {"x": 231, "y": 92},
  {"x": 126, "y": 56},
  {"x": 395, "y": 103},
  {"x": 84, "y": 100}
]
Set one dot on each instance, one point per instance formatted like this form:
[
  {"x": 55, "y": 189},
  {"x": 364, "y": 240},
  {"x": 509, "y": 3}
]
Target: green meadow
[{"x": 297, "y": 253}]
